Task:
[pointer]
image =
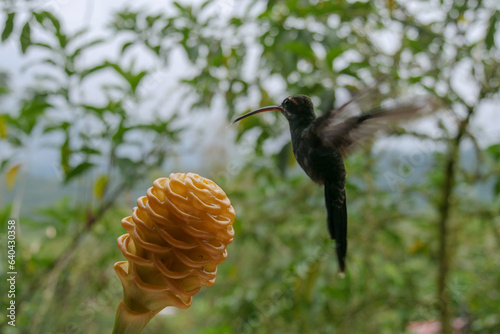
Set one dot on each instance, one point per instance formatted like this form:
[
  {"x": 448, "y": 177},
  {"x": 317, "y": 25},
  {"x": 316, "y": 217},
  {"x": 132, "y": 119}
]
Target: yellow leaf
[
  {"x": 291, "y": 158},
  {"x": 390, "y": 5},
  {"x": 100, "y": 186},
  {"x": 11, "y": 176},
  {"x": 416, "y": 247},
  {"x": 3, "y": 128}
]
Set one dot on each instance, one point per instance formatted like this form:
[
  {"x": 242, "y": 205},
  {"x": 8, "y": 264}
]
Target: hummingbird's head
[{"x": 297, "y": 107}]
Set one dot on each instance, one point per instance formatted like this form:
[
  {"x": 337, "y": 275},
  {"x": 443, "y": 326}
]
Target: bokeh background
[{"x": 101, "y": 98}]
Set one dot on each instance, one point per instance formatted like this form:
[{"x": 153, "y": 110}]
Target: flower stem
[{"x": 130, "y": 322}]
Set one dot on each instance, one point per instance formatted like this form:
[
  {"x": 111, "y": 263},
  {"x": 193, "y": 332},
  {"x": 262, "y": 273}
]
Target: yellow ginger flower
[{"x": 177, "y": 235}]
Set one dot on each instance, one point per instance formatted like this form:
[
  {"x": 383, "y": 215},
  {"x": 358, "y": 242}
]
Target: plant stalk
[
  {"x": 444, "y": 228},
  {"x": 130, "y": 322}
]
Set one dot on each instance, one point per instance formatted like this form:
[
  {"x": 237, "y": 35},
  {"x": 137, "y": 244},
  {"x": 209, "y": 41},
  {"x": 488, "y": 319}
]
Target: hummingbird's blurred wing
[
  {"x": 363, "y": 100},
  {"x": 346, "y": 136}
]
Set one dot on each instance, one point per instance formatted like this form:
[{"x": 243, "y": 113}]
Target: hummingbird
[{"x": 320, "y": 145}]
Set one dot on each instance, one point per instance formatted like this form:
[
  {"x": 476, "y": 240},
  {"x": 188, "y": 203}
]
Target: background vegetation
[{"x": 424, "y": 222}]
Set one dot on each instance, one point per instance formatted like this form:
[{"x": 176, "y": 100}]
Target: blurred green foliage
[{"x": 281, "y": 276}]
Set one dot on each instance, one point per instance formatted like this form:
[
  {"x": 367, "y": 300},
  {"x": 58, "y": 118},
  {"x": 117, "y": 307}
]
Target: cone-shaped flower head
[{"x": 177, "y": 235}]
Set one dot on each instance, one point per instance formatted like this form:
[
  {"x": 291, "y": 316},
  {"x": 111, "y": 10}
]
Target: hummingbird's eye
[{"x": 289, "y": 105}]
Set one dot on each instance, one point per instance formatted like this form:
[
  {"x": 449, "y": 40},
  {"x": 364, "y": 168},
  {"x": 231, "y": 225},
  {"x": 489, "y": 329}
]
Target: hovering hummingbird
[{"x": 320, "y": 145}]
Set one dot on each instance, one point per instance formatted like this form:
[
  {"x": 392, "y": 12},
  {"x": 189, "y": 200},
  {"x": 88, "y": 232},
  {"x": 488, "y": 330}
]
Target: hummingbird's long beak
[{"x": 256, "y": 112}]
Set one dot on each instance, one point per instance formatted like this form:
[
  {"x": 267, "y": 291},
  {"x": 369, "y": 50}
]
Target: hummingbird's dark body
[
  {"x": 325, "y": 166},
  {"x": 320, "y": 144}
]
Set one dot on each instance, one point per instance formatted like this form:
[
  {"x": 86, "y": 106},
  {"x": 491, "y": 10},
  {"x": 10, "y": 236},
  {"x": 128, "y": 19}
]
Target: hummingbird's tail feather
[{"x": 337, "y": 220}]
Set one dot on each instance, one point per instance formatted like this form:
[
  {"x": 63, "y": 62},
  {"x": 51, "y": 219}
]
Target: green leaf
[
  {"x": 78, "y": 170},
  {"x": 193, "y": 54},
  {"x": 89, "y": 150},
  {"x": 45, "y": 15},
  {"x": 3, "y": 127},
  {"x": 86, "y": 46},
  {"x": 127, "y": 166},
  {"x": 394, "y": 274},
  {"x": 156, "y": 49},
  {"x": 39, "y": 17},
  {"x": 25, "y": 37},
  {"x": 117, "y": 138},
  {"x": 59, "y": 126},
  {"x": 132, "y": 79},
  {"x": 79, "y": 33},
  {"x": 31, "y": 112},
  {"x": 65, "y": 154},
  {"x": 91, "y": 70},
  {"x": 236, "y": 21},
  {"x": 182, "y": 9},
  {"x": 3, "y": 164},
  {"x": 152, "y": 19},
  {"x": 416, "y": 79},
  {"x": 43, "y": 45},
  {"x": 494, "y": 152},
  {"x": 292, "y": 4},
  {"x": 497, "y": 187},
  {"x": 9, "y": 26},
  {"x": 301, "y": 49},
  {"x": 52, "y": 19},
  {"x": 136, "y": 79},
  {"x": 5, "y": 214},
  {"x": 489, "y": 40},
  {"x": 63, "y": 39},
  {"x": 126, "y": 46},
  {"x": 332, "y": 54},
  {"x": 34, "y": 108},
  {"x": 285, "y": 158},
  {"x": 415, "y": 45}
]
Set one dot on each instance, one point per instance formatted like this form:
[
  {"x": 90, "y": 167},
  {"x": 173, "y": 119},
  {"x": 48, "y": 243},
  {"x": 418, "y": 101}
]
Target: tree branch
[{"x": 444, "y": 217}]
